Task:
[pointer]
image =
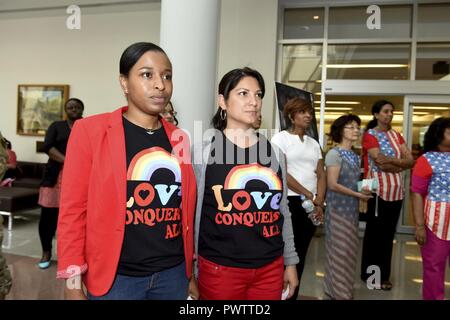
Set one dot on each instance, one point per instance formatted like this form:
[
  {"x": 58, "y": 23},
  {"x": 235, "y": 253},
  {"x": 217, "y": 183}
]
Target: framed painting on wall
[{"x": 38, "y": 105}]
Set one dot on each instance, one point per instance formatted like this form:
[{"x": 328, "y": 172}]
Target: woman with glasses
[
  {"x": 385, "y": 156},
  {"x": 341, "y": 217}
]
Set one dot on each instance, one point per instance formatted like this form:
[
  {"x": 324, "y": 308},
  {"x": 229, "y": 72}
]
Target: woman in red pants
[{"x": 431, "y": 199}]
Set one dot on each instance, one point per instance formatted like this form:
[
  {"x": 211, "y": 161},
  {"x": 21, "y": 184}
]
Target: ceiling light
[
  {"x": 431, "y": 108},
  {"x": 353, "y": 66},
  {"x": 330, "y": 116},
  {"x": 316, "y": 17},
  {"x": 421, "y": 281},
  {"x": 335, "y": 108},
  {"x": 416, "y": 113},
  {"x": 339, "y": 102}
]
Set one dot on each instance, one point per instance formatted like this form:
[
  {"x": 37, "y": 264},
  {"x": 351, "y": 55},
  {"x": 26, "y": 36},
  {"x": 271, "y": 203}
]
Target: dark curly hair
[
  {"x": 338, "y": 126},
  {"x": 435, "y": 133}
]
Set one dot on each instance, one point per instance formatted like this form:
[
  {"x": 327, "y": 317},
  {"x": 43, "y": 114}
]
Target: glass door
[
  {"x": 417, "y": 104},
  {"x": 420, "y": 111}
]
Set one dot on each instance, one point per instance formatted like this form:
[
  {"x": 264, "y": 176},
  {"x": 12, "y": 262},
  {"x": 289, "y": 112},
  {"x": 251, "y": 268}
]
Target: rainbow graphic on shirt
[
  {"x": 146, "y": 162},
  {"x": 240, "y": 175}
]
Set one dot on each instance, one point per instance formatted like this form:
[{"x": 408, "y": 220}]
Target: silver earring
[{"x": 223, "y": 114}]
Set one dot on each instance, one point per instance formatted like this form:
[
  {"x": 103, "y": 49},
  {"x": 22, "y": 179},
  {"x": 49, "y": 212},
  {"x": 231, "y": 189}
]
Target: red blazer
[{"x": 91, "y": 221}]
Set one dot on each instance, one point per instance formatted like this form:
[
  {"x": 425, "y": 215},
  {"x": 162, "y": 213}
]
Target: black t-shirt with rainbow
[
  {"x": 152, "y": 240},
  {"x": 240, "y": 222}
]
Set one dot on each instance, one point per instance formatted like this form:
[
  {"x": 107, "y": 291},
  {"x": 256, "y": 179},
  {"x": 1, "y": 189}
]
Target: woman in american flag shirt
[
  {"x": 385, "y": 156},
  {"x": 431, "y": 200}
]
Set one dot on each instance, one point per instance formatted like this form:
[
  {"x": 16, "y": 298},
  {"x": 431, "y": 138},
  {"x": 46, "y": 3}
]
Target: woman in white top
[{"x": 306, "y": 174}]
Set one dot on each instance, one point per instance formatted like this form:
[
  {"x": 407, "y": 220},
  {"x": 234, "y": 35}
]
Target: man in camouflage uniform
[
  {"x": 3, "y": 157},
  {"x": 5, "y": 276}
]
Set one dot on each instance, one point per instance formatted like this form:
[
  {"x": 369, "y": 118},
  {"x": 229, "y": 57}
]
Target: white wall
[
  {"x": 37, "y": 48},
  {"x": 248, "y": 37}
]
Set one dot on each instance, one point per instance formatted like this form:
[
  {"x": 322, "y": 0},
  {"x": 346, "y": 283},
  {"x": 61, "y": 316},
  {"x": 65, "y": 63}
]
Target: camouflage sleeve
[
  {"x": 5, "y": 276},
  {"x": 3, "y": 157}
]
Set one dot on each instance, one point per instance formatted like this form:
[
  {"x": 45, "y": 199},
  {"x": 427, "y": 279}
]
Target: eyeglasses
[{"x": 352, "y": 128}]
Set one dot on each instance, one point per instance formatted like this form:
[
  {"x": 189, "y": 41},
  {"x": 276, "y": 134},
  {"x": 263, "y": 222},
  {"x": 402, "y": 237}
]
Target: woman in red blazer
[{"x": 128, "y": 193}]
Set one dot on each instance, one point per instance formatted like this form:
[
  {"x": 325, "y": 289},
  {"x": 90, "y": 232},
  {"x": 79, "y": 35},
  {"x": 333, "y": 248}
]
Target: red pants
[
  {"x": 217, "y": 282},
  {"x": 435, "y": 254}
]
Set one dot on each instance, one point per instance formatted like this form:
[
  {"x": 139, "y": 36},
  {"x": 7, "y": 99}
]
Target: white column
[{"x": 189, "y": 35}]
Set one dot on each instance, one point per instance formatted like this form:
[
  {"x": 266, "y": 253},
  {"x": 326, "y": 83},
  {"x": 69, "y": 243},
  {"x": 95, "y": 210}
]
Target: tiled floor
[
  {"x": 22, "y": 251},
  {"x": 32, "y": 283}
]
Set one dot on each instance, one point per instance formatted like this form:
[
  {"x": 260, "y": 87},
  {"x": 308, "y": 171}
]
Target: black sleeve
[{"x": 50, "y": 137}]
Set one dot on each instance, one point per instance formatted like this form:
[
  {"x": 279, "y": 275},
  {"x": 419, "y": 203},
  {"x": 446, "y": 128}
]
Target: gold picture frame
[{"x": 38, "y": 105}]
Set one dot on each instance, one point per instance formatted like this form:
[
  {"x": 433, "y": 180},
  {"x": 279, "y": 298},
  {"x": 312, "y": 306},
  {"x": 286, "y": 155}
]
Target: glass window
[
  {"x": 302, "y": 68},
  {"x": 337, "y": 106},
  {"x": 351, "y": 23},
  {"x": 303, "y": 23},
  {"x": 433, "y": 60},
  {"x": 301, "y": 63},
  {"x": 423, "y": 115},
  {"x": 369, "y": 61},
  {"x": 433, "y": 20}
]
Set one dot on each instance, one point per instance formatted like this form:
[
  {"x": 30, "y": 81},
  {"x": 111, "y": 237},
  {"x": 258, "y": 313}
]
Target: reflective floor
[
  {"x": 22, "y": 251},
  {"x": 406, "y": 273}
]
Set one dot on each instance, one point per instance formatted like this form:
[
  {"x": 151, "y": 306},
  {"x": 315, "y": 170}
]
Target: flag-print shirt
[
  {"x": 389, "y": 142},
  {"x": 431, "y": 179}
]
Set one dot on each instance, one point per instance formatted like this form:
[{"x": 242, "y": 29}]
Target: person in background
[
  {"x": 3, "y": 161},
  {"x": 257, "y": 124},
  {"x": 3, "y": 157},
  {"x": 385, "y": 156},
  {"x": 306, "y": 174},
  {"x": 243, "y": 228},
  {"x": 431, "y": 207},
  {"x": 169, "y": 114},
  {"x": 5, "y": 276},
  {"x": 55, "y": 144},
  {"x": 342, "y": 211},
  {"x": 11, "y": 171},
  {"x": 128, "y": 194}
]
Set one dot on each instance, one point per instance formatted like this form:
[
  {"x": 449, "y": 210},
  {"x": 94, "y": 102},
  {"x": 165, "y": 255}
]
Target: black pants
[
  {"x": 378, "y": 237},
  {"x": 47, "y": 227},
  {"x": 303, "y": 233}
]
